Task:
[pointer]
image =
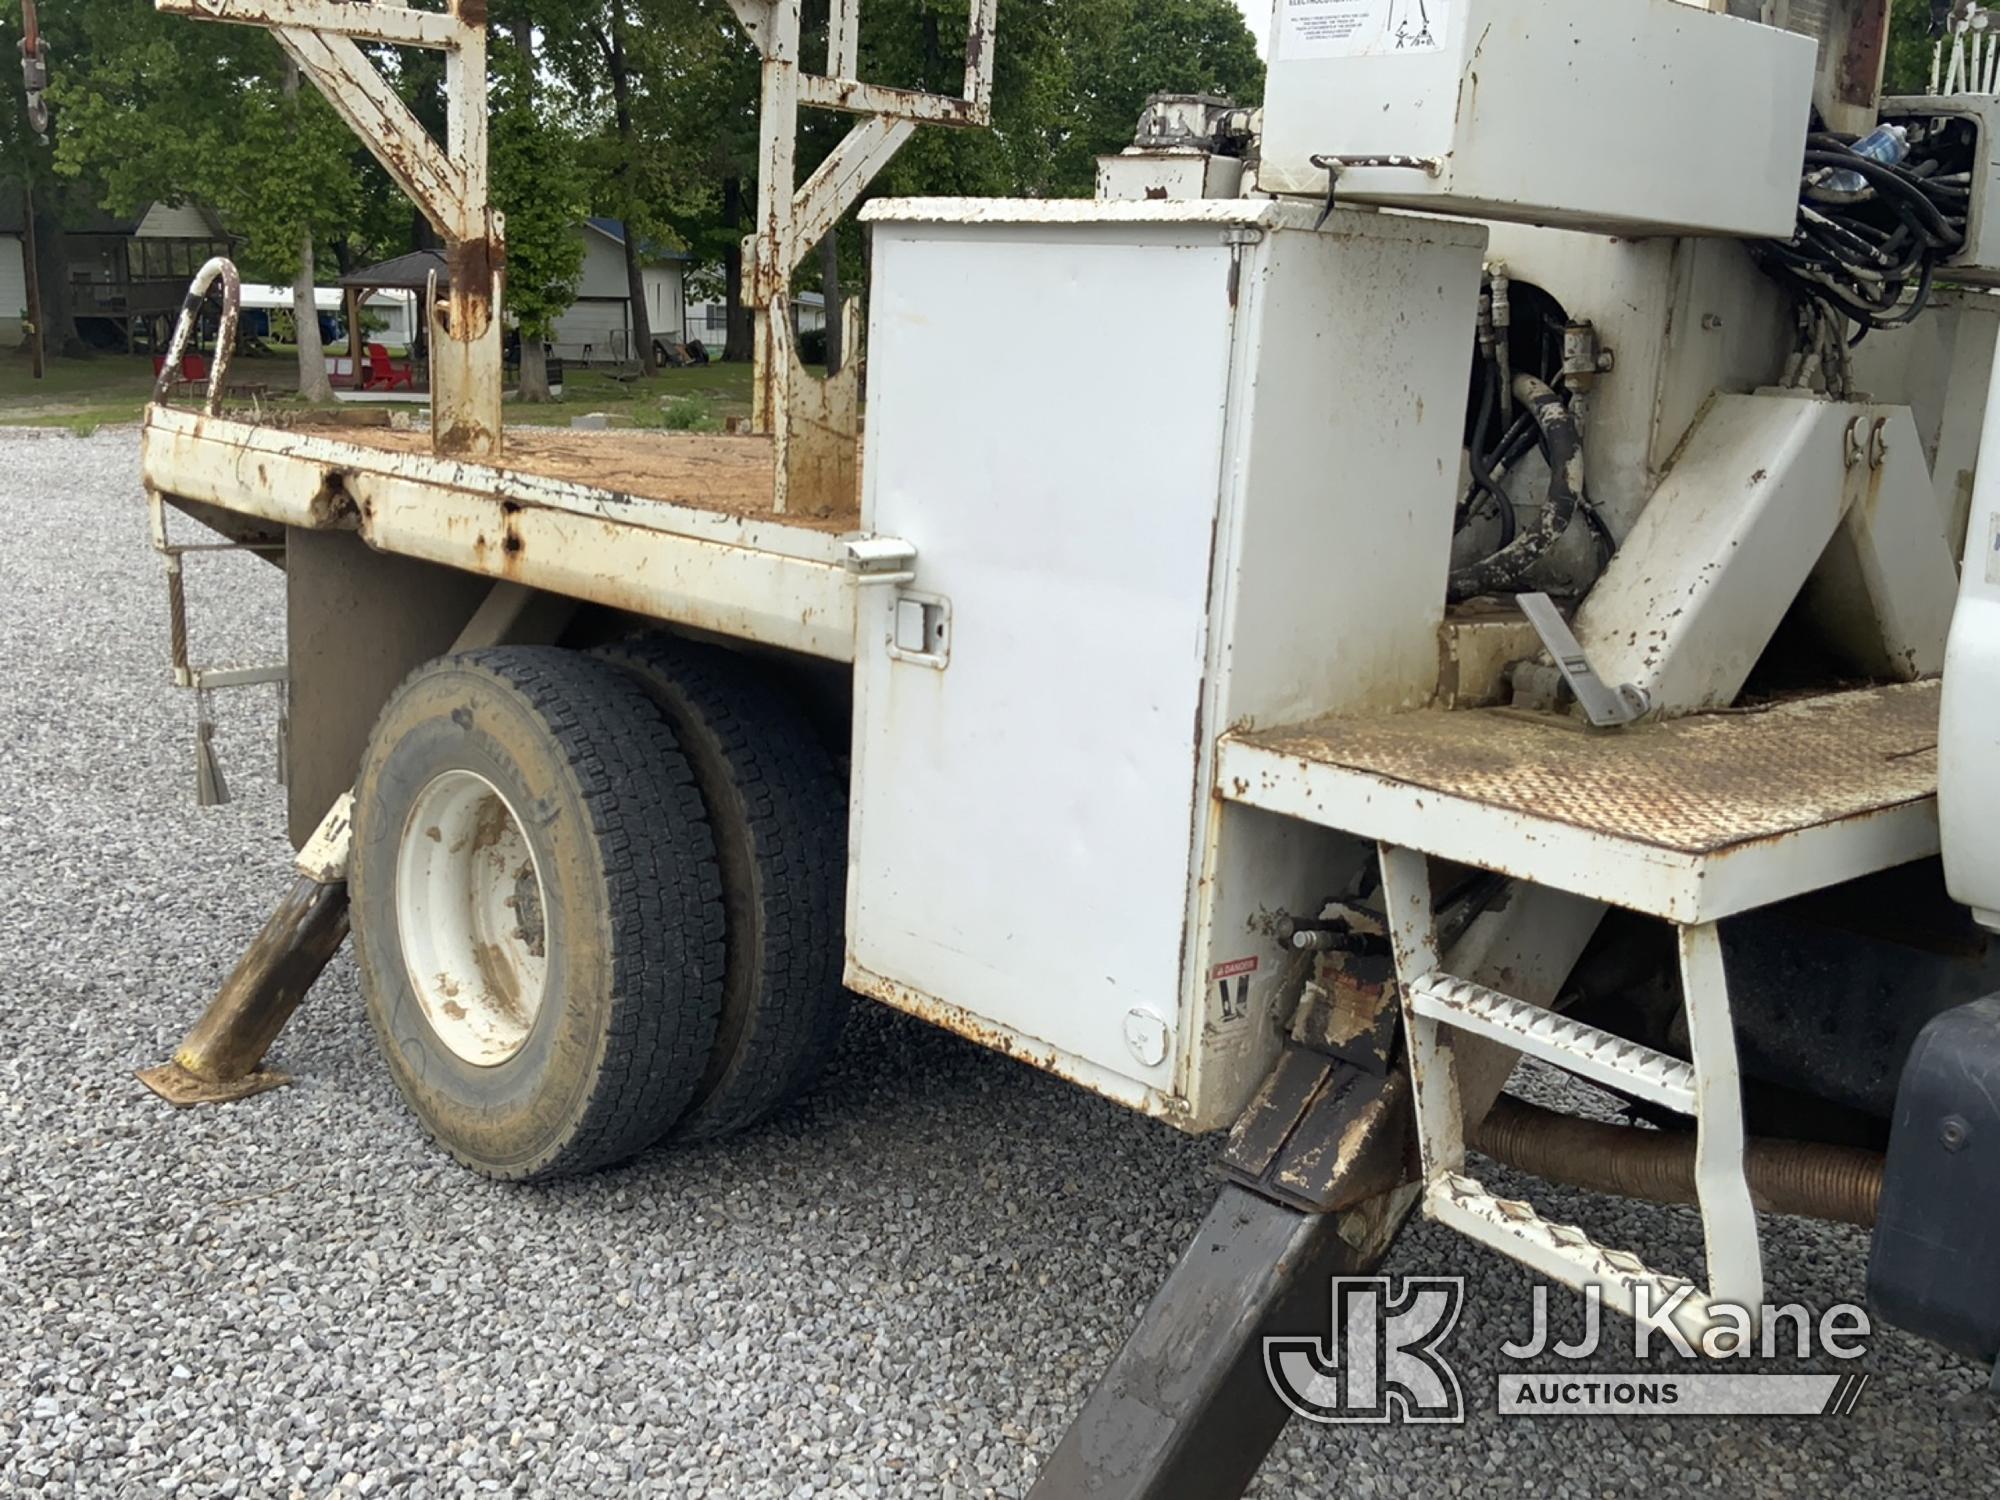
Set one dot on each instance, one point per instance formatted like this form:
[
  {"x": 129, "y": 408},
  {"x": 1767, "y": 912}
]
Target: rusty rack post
[
  {"x": 791, "y": 220},
  {"x": 447, "y": 183}
]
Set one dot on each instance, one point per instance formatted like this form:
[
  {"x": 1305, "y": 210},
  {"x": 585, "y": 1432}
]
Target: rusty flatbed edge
[
  {"x": 677, "y": 481},
  {"x": 661, "y": 525},
  {"x": 1691, "y": 819}
]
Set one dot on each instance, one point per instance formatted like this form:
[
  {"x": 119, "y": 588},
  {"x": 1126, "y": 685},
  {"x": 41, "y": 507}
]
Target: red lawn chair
[
  {"x": 386, "y": 374},
  {"x": 193, "y": 367}
]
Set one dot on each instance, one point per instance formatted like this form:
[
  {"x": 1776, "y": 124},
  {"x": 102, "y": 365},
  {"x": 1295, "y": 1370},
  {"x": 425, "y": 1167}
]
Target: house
[
  {"x": 13, "y": 276},
  {"x": 124, "y": 271},
  {"x": 597, "y": 328},
  {"x": 710, "y": 321}
]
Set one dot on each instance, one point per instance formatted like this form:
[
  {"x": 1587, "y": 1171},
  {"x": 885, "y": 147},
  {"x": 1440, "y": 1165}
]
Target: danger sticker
[
  {"x": 1231, "y": 969},
  {"x": 1361, "y": 28}
]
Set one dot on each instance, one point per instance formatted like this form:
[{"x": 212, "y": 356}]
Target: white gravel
[{"x": 904, "y": 1287}]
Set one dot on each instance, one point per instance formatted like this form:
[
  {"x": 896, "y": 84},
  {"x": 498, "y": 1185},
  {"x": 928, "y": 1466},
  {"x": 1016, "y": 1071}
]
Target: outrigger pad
[{"x": 184, "y": 1090}]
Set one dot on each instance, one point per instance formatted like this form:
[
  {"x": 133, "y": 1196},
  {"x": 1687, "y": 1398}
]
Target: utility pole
[
  {"x": 32, "y": 274},
  {"x": 34, "y": 79}
]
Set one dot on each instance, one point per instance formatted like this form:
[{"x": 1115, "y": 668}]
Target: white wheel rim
[{"x": 471, "y": 917}]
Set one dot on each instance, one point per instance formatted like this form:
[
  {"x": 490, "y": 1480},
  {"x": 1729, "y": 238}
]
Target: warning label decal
[{"x": 1361, "y": 28}]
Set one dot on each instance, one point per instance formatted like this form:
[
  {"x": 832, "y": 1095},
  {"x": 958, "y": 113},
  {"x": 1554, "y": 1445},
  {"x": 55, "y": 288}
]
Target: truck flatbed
[{"x": 675, "y": 526}]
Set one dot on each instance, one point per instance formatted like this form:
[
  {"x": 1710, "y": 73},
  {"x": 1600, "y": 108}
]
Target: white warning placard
[{"x": 1361, "y": 28}]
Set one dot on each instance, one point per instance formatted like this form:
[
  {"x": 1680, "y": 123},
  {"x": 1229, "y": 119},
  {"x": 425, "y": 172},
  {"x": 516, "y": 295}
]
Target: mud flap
[{"x": 1930, "y": 1271}]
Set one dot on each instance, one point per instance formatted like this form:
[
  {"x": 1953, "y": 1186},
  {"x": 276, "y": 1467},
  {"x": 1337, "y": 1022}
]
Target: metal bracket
[
  {"x": 1606, "y": 707},
  {"x": 1321, "y": 1135},
  {"x": 877, "y": 561},
  {"x": 324, "y": 858}
]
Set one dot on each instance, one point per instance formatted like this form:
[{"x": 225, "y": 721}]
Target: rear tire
[
  {"x": 778, "y": 812},
  {"x": 538, "y": 913}
]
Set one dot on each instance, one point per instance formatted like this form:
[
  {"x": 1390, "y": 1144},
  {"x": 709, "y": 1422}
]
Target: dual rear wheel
[{"x": 597, "y": 900}]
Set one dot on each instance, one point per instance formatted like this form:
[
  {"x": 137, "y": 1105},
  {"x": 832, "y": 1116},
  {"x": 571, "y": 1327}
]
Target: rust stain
[{"x": 994, "y": 1039}]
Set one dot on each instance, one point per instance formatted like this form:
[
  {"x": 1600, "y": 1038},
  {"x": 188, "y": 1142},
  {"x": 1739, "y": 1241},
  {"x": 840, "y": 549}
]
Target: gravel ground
[{"x": 904, "y": 1287}]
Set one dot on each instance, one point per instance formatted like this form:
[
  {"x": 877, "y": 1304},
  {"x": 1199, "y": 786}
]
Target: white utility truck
[{"x": 1480, "y": 587}]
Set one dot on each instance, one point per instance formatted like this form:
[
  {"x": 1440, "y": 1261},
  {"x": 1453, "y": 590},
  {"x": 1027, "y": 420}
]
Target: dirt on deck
[{"x": 727, "y": 473}]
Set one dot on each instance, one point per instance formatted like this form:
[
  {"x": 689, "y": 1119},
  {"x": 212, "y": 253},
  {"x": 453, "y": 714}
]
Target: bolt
[
  {"x": 1954, "y": 1133},
  {"x": 1711, "y": 321}
]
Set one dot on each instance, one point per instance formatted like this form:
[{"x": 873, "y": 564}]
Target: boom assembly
[{"x": 1518, "y": 582}]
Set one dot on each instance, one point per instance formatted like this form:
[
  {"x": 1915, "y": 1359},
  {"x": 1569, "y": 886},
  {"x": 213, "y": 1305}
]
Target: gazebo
[{"x": 403, "y": 273}]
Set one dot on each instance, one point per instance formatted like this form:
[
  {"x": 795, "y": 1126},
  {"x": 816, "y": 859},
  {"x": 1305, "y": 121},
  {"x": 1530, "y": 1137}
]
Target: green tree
[
  {"x": 160, "y": 108},
  {"x": 1911, "y": 48},
  {"x": 28, "y": 175},
  {"x": 539, "y": 184}
]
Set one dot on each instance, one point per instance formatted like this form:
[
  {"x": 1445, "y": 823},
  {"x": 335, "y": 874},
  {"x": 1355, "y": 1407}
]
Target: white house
[
  {"x": 710, "y": 321},
  {"x": 598, "y": 326},
  {"x": 13, "y": 282}
]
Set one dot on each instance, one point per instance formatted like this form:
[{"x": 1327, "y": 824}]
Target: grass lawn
[
  {"x": 698, "y": 399},
  {"x": 85, "y": 394}
]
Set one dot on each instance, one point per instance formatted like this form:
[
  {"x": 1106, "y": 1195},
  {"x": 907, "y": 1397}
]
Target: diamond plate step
[
  {"x": 1567, "y": 1254},
  {"x": 1540, "y": 1032}
]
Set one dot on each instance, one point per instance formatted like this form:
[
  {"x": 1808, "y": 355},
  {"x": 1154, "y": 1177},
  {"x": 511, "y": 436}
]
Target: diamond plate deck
[{"x": 1688, "y": 819}]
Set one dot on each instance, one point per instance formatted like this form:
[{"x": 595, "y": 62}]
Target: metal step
[
  {"x": 1540, "y": 1032},
  {"x": 1567, "y": 1254}
]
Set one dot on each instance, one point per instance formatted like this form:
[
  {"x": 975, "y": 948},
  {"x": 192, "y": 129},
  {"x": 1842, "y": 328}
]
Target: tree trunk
[
  {"x": 535, "y": 370},
  {"x": 635, "y": 275},
  {"x": 313, "y": 383},
  {"x": 59, "y": 336},
  {"x": 534, "y": 352},
  {"x": 635, "y": 287},
  {"x": 740, "y": 342},
  {"x": 829, "y": 276}
]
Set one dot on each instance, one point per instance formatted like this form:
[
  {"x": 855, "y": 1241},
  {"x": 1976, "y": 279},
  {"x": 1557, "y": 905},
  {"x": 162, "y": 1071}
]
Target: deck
[
  {"x": 1691, "y": 820},
  {"x": 730, "y": 475},
  {"x": 675, "y": 526}
]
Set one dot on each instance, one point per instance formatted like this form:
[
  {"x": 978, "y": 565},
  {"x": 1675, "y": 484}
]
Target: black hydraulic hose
[
  {"x": 1506, "y": 571},
  {"x": 1891, "y": 183},
  {"x": 1482, "y": 466}
]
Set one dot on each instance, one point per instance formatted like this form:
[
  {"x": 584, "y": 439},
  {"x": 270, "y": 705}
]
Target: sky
[{"x": 1258, "y": 14}]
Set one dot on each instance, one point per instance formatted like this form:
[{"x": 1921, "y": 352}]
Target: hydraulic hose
[
  {"x": 1506, "y": 571},
  {"x": 1807, "y": 1178}
]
